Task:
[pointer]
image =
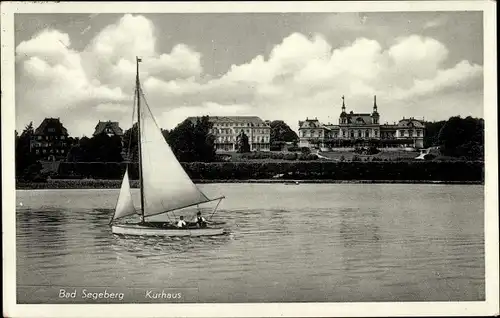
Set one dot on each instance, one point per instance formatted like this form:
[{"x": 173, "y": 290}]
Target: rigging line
[
  {"x": 147, "y": 105},
  {"x": 220, "y": 200},
  {"x": 187, "y": 206},
  {"x": 131, "y": 132}
]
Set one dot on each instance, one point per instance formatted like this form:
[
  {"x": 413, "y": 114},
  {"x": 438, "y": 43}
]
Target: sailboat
[{"x": 164, "y": 185}]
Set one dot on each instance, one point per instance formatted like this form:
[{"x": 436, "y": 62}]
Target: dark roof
[
  {"x": 410, "y": 122},
  {"x": 51, "y": 123},
  {"x": 362, "y": 118},
  {"x": 309, "y": 123},
  {"x": 231, "y": 119},
  {"x": 332, "y": 127},
  {"x": 113, "y": 125}
]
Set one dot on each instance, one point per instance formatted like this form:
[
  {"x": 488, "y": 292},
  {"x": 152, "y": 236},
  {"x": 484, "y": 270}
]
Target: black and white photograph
[{"x": 308, "y": 159}]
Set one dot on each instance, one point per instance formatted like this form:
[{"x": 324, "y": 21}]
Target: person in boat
[
  {"x": 200, "y": 220},
  {"x": 181, "y": 223}
]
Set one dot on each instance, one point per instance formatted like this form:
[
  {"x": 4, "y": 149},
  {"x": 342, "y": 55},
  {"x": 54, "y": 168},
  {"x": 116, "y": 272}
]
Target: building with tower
[{"x": 361, "y": 129}]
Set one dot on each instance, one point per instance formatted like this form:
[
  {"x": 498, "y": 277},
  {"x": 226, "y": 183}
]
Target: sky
[{"x": 291, "y": 66}]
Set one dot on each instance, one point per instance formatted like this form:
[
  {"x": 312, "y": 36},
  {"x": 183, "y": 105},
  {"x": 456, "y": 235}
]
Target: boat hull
[{"x": 140, "y": 230}]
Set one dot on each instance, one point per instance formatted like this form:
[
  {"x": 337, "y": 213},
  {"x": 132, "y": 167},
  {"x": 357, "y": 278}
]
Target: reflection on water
[{"x": 305, "y": 243}]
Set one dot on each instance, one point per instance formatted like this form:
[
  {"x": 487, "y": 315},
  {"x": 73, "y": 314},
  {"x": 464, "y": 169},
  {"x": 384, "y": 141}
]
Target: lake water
[{"x": 308, "y": 242}]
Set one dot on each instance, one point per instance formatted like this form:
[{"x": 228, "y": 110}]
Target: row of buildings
[
  {"x": 361, "y": 127},
  {"x": 50, "y": 139}
]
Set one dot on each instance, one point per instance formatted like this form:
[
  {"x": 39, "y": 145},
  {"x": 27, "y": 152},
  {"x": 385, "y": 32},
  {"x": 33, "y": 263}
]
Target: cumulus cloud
[{"x": 303, "y": 76}]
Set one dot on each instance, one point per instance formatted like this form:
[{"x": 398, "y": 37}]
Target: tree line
[
  {"x": 457, "y": 137},
  {"x": 193, "y": 142}
]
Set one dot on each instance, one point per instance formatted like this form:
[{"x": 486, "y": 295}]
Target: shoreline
[{"x": 115, "y": 184}]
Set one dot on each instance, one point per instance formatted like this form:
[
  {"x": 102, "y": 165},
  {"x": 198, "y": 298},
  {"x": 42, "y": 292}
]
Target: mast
[{"x": 141, "y": 181}]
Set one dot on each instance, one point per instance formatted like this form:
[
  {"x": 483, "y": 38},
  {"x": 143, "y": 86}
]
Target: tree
[
  {"x": 204, "y": 141},
  {"x": 131, "y": 144},
  {"x": 26, "y": 163},
  {"x": 105, "y": 148},
  {"x": 280, "y": 131},
  {"x": 192, "y": 141},
  {"x": 462, "y": 137},
  {"x": 100, "y": 148},
  {"x": 181, "y": 140},
  {"x": 242, "y": 144},
  {"x": 432, "y": 132}
]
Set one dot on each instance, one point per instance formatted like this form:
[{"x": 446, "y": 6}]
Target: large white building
[
  {"x": 227, "y": 128},
  {"x": 361, "y": 127}
]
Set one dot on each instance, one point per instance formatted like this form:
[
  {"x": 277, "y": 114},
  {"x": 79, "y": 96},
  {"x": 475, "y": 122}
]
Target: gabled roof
[
  {"x": 410, "y": 122},
  {"x": 113, "y": 125},
  {"x": 51, "y": 123},
  {"x": 310, "y": 123}
]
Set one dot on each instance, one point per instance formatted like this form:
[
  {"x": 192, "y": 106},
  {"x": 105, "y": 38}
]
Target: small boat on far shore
[{"x": 292, "y": 183}]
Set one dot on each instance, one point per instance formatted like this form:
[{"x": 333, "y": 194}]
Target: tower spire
[
  {"x": 375, "y": 103},
  {"x": 343, "y": 103}
]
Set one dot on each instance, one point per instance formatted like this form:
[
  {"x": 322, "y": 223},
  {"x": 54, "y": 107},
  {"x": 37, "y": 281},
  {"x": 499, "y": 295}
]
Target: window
[
  {"x": 62, "y": 137},
  {"x": 37, "y": 151},
  {"x": 367, "y": 134},
  {"x": 51, "y": 130},
  {"x": 418, "y": 133},
  {"x": 376, "y": 133},
  {"x": 359, "y": 133},
  {"x": 411, "y": 133},
  {"x": 39, "y": 137},
  {"x": 352, "y": 133},
  {"x": 44, "y": 150},
  {"x": 62, "y": 150}
]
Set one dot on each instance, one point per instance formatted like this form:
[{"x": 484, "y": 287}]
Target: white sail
[
  {"x": 125, "y": 205},
  {"x": 166, "y": 186}
]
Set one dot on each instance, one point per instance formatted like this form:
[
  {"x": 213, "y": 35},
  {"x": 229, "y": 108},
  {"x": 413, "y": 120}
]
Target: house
[
  {"x": 50, "y": 140},
  {"x": 362, "y": 127},
  {"x": 227, "y": 128},
  {"x": 110, "y": 128}
]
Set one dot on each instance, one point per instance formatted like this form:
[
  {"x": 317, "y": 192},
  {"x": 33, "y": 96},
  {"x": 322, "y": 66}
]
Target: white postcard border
[{"x": 488, "y": 307}]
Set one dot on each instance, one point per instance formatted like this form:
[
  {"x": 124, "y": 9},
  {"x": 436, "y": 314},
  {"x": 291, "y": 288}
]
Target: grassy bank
[{"x": 115, "y": 184}]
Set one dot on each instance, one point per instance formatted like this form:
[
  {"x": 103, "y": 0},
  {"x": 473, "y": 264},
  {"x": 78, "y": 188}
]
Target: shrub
[
  {"x": 305, "y": 150},
  {"x": 317, "y": 169},
  {"x": 429, "y": 157}
]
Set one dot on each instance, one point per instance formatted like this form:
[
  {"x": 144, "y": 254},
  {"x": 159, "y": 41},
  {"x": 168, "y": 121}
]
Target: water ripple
[{"x": 325, "y": 244}]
